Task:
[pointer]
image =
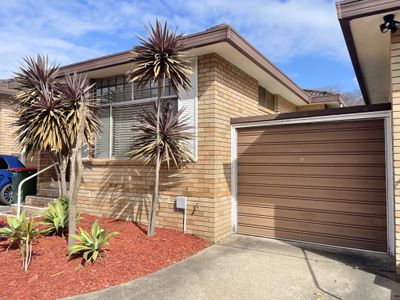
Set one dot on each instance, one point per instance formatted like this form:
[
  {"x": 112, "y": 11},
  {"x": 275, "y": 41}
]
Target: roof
[
  {"x": 322, "y": 96},
  {"x": 217, "y": 34},
  {"x": 258, "y": 120},
  {"x": 362, "y": 33},
  {"x": 5, "y": 89},
  {"x": 319, "y": 93}
]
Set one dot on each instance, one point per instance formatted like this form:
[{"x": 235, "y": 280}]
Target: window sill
[
  {"x": 266, "y": 110},
  {"x": 112, "y": 162},
  {"x": 115, "y": 162}
]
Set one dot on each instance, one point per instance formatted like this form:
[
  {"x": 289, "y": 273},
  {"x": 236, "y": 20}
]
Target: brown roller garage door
[{"x": 320, "y": 182}]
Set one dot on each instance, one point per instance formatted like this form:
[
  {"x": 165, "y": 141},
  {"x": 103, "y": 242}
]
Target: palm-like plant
[
  {"x": 56, "y": 116},
  {"x": 174, "y": 137},
  {"x": 159, "y": 57},
  {"x": 41, "y": 122},
  {"x": 83, "y": 124}
]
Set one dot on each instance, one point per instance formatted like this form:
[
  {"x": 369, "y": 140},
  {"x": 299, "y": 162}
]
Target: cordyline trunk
[
  {"x": 152, "y": 223},
  {"x": 76, "y": 176},
  {"x": 63, "y": 161},
  {"x": 61, "y": 171}
]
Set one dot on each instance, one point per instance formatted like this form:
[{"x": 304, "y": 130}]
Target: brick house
[{"x": 231, "y": 79}]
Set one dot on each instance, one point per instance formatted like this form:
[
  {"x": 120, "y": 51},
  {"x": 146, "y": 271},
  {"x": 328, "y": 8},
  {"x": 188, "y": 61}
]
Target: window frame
[
  {"x": 111, "y": 106},
  {"x": 264, "y": 101}
]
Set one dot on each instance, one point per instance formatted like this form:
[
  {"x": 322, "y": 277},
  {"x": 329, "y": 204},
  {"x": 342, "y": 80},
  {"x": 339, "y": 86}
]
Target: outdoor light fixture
[{"x": 390, "y": 24}]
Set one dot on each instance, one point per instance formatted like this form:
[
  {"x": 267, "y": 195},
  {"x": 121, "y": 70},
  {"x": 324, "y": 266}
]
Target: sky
[{"x": 302, "y": 37}]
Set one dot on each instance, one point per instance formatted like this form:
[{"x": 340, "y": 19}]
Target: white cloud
[{"x": 70, "y": 31}]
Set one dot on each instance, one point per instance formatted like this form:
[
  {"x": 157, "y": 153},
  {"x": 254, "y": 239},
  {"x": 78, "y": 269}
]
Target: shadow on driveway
[{"x": 242, "y": 267}]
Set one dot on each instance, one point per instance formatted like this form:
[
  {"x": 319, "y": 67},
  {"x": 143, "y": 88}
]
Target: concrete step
[
  {"x": 51, "y": 193},
  {"x": 39, "y": 201},
  {"x": 31, "y": 211}
]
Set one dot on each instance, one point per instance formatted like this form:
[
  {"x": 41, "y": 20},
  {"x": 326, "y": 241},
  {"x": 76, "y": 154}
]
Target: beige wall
[
  {"x": 123, "y": 188},
  {"x": 283, "y": 106},
  {"x": 395, "y": 87}
]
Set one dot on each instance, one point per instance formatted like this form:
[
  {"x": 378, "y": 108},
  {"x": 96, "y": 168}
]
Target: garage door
[{"x": 321, "y": 183}]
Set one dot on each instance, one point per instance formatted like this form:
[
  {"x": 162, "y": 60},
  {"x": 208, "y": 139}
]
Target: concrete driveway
[{"x": 242, "y": 267}]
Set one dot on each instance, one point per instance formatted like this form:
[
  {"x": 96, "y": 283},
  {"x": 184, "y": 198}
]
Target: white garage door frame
[{"x": 385, "y": 115}]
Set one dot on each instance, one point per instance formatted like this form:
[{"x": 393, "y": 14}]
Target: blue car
[{"x": 7, "y": 163}]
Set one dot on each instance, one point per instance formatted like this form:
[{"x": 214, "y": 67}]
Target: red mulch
[{"x": 131, "y": 254}]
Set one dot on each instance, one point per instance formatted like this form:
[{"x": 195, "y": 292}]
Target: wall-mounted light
[{"x": 390, "y": 24}]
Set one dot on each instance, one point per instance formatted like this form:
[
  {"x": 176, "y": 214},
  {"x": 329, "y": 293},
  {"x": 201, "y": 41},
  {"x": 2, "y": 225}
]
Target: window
[
  {"x": 3, "y": 164},
  {"x": 120, "y": 104},
  {"x": 265, "y": 98}
]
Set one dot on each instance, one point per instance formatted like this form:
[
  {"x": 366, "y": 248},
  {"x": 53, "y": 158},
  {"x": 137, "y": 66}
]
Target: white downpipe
[
  {"x": 184, "y": 220},
  {"x": 25, "y": 180}
]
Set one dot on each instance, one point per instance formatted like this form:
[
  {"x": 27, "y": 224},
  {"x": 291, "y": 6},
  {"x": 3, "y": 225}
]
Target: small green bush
[
  {"x": 55, "y": 219},
  {"x": 23, "y": 231},
  {"x": 90, "y": 246}
]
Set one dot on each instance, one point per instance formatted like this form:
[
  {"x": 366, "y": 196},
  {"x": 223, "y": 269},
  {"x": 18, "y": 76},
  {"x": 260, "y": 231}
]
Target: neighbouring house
[
  {"x": 7, "y": 139},
  {"x": 320, "y": 99},
  {"x": 230, "y": 79}
]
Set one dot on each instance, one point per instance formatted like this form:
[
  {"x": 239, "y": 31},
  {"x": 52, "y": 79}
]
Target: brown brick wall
[
  {"x": 8, "y": 143},
  {"x": 123, "y": 189},
  {"x": 395, "y": 86},
  {"x": 284, "y": 106}
]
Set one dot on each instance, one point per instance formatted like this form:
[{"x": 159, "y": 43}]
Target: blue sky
[{"x": 302, "y": 37}]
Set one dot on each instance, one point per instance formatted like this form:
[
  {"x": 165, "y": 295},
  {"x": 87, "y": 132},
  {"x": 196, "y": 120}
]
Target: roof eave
[
  {"x": 218, "y": 34},
  {"x": 348, "y": 10}
]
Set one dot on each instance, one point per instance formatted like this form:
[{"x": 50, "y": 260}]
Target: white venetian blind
[
  {"x": 125, "y": 118},
  {"x": 102, "y": 145},
  {"x": 188, "y": 102}
]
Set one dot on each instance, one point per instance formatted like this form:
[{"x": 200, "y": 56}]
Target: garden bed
[{"x": 131, "y": 254}]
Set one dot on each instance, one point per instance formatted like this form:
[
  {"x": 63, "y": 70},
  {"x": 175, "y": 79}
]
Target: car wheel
[{"x": 6, "y": 195}]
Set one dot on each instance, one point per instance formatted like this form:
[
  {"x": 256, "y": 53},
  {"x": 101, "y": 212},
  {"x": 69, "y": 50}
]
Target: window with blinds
[
  {"x": 265, "y": 98},
  {"x": 120, "y": 106}
]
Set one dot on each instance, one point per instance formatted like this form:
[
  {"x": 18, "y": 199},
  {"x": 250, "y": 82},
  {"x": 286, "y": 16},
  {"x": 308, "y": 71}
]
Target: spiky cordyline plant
[
  {"x": 41, "y": 122},
  {"x": 40, "y": 111},
  {"x": 174, "y": 137},
  {"x": 56, "y": 116},
  {"x": 160, "y": 56},
  {"x": 83, "y": 124}
]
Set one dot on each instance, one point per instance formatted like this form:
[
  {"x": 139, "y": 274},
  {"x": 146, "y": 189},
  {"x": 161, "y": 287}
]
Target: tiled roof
[
  {"x": 5, "y": 89},
  {"x": 319, "y": 93}
]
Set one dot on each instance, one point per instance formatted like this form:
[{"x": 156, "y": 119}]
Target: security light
[{"x": 390, "y": 24}]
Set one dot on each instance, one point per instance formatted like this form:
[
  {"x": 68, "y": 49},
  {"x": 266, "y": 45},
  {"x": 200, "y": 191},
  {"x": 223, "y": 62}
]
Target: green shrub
[
  {"x": 23, "y": 231},
  {"x": 55, "y": 219},
  {"x": 90, "y": 246}
]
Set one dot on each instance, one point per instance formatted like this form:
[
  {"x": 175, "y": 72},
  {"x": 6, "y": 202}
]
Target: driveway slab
[{"x": 242, "y": 267}]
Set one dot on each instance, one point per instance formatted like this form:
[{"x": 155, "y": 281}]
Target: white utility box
[{"x": 181, "y": 202}]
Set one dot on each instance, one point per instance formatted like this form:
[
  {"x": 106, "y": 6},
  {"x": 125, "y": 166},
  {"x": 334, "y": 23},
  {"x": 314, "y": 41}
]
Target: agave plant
[
  {"x": 90, "y": 246},
  {"x": 160, "y": 57},
  {"x": 55, "y": 218}
]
